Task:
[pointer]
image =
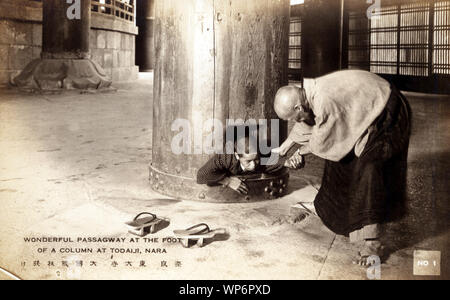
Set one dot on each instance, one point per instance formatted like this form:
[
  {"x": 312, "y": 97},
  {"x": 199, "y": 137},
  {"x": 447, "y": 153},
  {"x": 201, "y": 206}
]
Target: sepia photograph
[{"x": 201, "y": 141}]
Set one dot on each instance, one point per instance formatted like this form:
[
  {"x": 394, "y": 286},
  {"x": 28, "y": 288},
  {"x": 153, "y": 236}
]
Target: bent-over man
[{"x": 360, "y": 124}]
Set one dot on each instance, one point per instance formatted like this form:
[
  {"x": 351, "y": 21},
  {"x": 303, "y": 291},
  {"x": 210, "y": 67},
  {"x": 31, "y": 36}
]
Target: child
[{"x": 222, "y": 169}]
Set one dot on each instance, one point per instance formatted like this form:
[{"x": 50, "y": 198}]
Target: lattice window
[
  {"x": 295, "y": 43},
  {"x": 358, "y": 41},
  {"x": 414, "y": 39},
  {"x": 384, "y": 40},
  {"x": 441, "y": 45},
  {"x": 405, "y": 39}
]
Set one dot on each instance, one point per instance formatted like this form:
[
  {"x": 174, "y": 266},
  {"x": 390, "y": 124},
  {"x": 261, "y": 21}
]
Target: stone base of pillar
[
  {"x": 261, "y": 187},
  {"x": 60, "y": 74}
]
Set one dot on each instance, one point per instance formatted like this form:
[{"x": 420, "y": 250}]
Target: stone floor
[{"x": 76, "y": 165}]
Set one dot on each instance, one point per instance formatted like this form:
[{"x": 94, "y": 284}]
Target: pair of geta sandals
[{"x": 149, "y": 224}]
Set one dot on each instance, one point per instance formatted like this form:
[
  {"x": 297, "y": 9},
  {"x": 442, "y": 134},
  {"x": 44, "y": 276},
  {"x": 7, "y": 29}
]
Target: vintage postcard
[{"x": 224, "y": 140}]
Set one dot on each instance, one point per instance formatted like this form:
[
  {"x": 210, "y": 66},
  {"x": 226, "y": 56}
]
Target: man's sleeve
[
  {"x": 274, "y": 168},
  {"x": 215, "y": 170},
  {"x": 301, "y": 133}
]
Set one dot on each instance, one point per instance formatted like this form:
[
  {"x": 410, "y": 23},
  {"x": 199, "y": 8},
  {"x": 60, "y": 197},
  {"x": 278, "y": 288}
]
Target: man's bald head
[{"x": 288, "y": 102}]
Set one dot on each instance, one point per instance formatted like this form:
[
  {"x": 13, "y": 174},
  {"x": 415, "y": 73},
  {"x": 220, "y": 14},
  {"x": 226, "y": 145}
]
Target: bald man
[{"x": 360, "y": 125}]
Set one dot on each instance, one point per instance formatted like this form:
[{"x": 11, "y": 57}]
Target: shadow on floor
[
  {"x": 427, "y": 215},
  {"x": 217, "y": 238}
]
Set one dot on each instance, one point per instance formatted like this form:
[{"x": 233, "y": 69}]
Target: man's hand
[
  {"x": 296, "y": 161},
  {"x": 236, "y": 184}
]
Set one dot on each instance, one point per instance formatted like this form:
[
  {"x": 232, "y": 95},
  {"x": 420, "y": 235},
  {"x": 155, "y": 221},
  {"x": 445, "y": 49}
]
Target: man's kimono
[{"x": 362, "y": 130}]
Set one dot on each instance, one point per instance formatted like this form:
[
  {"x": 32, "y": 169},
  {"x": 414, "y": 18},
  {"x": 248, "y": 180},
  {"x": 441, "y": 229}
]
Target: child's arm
[{"x": 214, "y": 171}]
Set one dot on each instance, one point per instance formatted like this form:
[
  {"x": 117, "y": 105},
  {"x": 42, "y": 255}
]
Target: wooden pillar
[
  {"x": 219, "y": 60},
  {"x": 322, "y": 33},
  {"x": 145, "y": 50},
  {"x": 63, "y": 37},
  {"x": 357, "y": 52}
]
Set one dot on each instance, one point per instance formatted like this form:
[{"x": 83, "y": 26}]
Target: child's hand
[{"x": 237, "y": 185}]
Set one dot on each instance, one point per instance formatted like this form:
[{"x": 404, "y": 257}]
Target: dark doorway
[{"x": 145, "y": 16}]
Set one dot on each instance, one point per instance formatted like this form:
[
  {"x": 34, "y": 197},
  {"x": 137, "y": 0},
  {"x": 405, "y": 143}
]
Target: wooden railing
[{"x": 123, "y": 9}]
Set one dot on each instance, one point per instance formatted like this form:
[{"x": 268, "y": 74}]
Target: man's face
[
  {"x": 300, "y": 115},
  {"x": 249, "y": 161},
  {"x": 295, "y": 113}
]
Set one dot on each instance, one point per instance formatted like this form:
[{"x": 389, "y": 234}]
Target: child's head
[{"x": 246, "y": 151}]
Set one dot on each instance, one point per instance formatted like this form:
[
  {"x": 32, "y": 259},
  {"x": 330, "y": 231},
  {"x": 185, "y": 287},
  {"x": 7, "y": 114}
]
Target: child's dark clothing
[{"x": 226, "y": 165}]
